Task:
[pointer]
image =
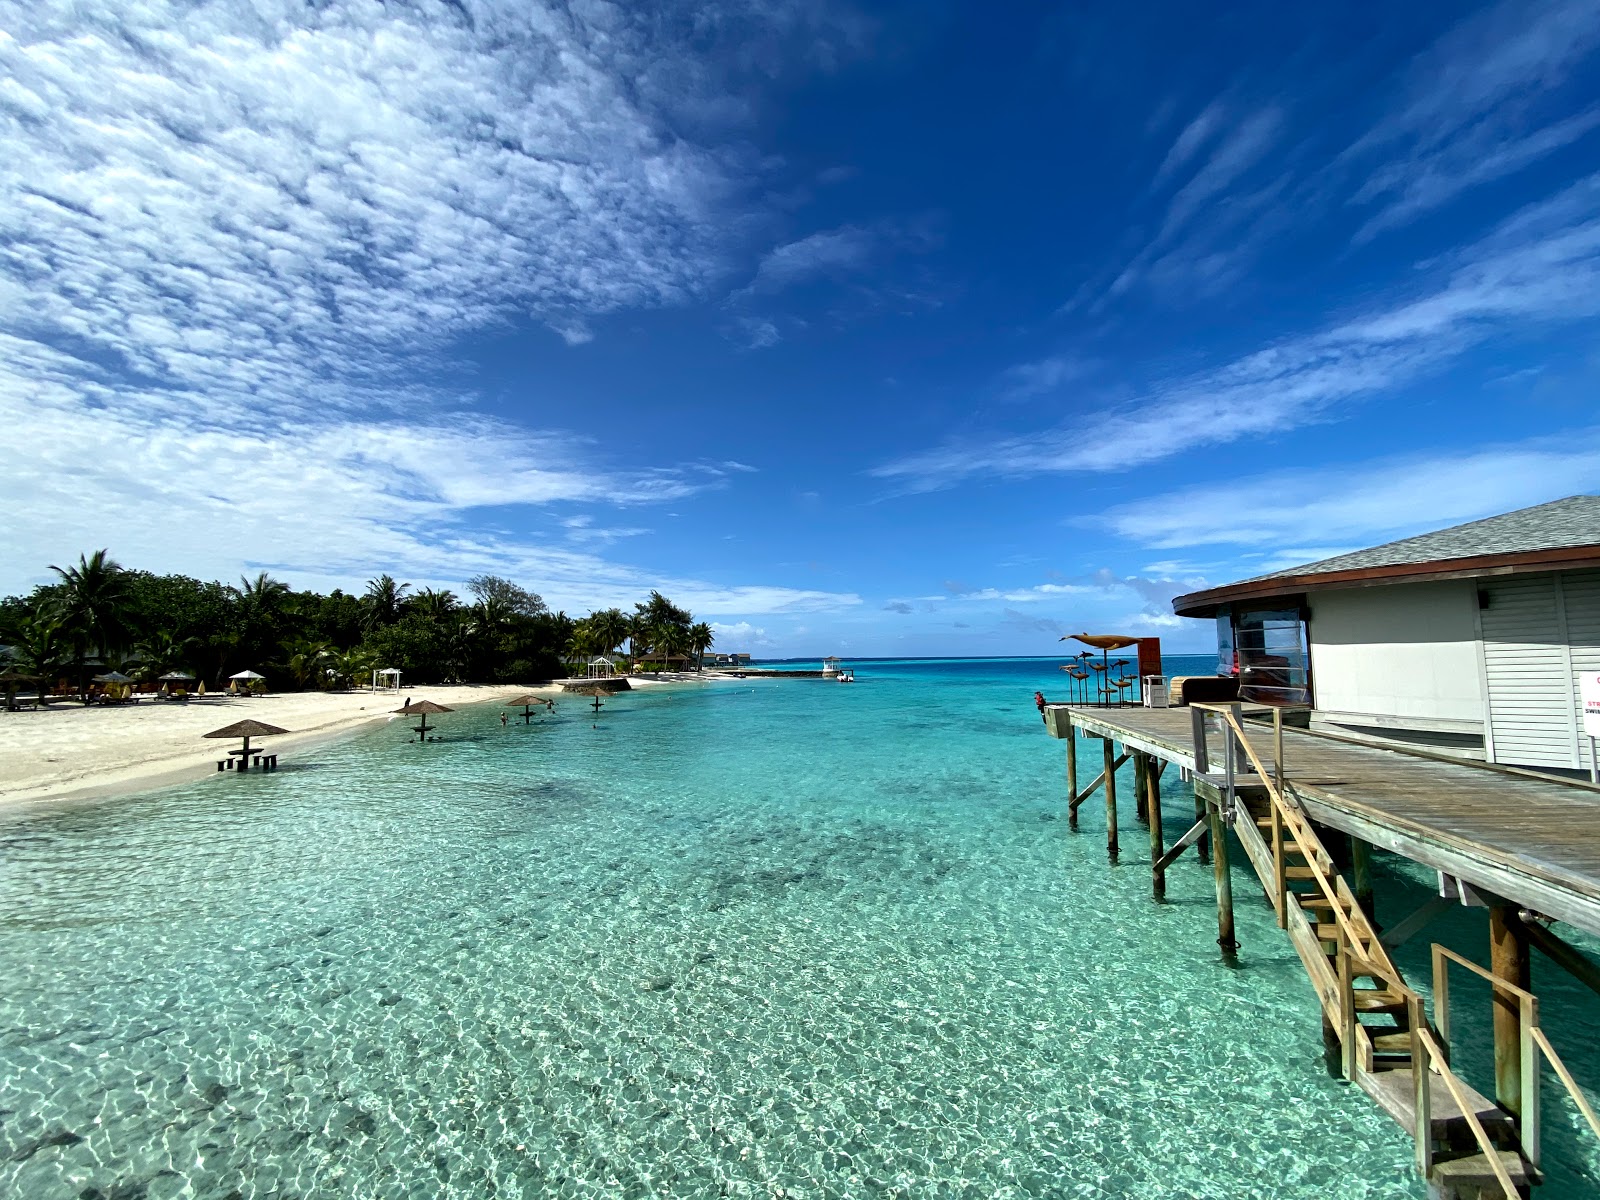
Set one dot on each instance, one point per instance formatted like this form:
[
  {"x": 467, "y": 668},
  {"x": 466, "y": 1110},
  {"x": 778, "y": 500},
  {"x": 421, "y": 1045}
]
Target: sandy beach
[{"x": 68, "y": 751}]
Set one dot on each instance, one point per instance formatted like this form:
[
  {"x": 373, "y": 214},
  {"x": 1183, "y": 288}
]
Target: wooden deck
[{"x": 1533, "y": 840}]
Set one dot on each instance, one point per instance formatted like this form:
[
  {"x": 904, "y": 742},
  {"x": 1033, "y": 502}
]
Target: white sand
[{"x": 66, "y": 750}]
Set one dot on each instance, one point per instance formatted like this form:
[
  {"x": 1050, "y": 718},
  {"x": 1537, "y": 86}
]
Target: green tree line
[{"x": 97, "y": 617}]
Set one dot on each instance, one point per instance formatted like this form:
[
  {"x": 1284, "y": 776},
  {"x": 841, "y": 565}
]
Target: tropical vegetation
[{"x": 96, "y": 617}]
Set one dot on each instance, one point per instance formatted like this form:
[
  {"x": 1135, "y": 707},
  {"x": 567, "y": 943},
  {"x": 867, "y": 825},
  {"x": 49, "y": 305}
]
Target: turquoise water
[{"x": 757, "y": 939}]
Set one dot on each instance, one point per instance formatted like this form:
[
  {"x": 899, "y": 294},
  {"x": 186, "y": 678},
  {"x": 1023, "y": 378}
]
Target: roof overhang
[{"x": 1287, "y": 587}]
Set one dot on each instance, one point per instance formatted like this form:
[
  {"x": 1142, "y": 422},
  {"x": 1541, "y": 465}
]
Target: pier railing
[
  {"x": 1358, "y": 952},
  {"x": 1535, "y": 1046}
]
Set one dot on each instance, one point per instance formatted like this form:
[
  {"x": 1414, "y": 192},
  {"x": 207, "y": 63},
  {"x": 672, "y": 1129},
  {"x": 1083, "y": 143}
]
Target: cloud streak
[
  {"x": 1541, "y": 265},
  {"x": 1339, "y": 508}
]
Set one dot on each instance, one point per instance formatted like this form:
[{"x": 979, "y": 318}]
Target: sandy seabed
[{"x": 68, "y": 751}]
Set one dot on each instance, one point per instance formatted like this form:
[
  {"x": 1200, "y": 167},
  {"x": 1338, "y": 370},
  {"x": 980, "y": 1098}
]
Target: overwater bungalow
[
  {"x": 1436, "y": 685},
  {"x": 1468, "y": 640}
]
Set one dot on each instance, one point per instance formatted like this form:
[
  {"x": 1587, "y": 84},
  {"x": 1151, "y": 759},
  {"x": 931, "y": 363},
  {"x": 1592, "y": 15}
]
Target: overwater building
[{"x": 1469, "y": 640}]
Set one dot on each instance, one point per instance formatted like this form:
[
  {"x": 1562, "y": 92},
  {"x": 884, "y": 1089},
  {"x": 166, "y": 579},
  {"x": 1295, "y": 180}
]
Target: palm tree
[
  {"x": 383, "y": 601},
  {"x": 91, "y": 609},
  {"x": 38, "y": 649},
  {"x": 700, "y": 639},
  {"x": 609, "y": 628},
  {"x": 260, "y": 597},
  {"x": 435, "y": 606},
  {"x": 308, "y": 662},
  {"x": 668, "y": 640},
  {"x": 165, "y": 651}
]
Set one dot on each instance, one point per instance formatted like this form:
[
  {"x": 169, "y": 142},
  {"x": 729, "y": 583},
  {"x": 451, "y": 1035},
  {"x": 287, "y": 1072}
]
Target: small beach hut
[
  {"x": 246, "y": 730},
  {"x": 830, "y": 667},
  {"x": 422, "y": 708}
]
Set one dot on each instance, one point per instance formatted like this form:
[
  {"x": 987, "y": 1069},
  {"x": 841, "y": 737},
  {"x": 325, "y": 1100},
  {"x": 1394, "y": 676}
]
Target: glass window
[
  {"x": 1227, "y": 662},
  {"x": 1274, "y": 666}
]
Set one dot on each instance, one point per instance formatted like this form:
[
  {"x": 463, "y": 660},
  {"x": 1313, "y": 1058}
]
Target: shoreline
[{"x": 71, "y": 753}]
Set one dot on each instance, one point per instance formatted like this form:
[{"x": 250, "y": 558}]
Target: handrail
[
  {"x": 1381, "y": 968},
  {"x": 1567, "y": 1079},
  {"x": 1440, "y": 951},
  {"x": 1431, "y": 1055},
  {"x": 1533, "y": 1035}
]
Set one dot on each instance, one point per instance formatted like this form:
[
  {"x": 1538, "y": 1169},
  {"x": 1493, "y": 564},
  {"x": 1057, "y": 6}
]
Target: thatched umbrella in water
[
  {"x": 422, "y": 708},
  {"x": 245, "y": 730},
  {"x": 527, "y": 702}
]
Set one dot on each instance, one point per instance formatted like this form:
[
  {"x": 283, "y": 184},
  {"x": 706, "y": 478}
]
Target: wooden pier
[{"x": 1525, "y": 845}]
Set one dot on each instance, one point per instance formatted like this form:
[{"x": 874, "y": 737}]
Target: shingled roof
[
  {"x": 1574, "y": 521},
  {"x": 1561, "y": 534}
]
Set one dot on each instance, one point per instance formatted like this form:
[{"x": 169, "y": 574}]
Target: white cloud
[
  {"x": 738, "y": 637},
  {"x": 1026, "y": 380},
  {"x": 827, "y": 252},
  {"x": 1476, "y": 107},
  {"x": 1541, "y": 265},
  {"x": 236, "y": 239},
  {"x": 1189, "y": 142},
  {"x": 1348, "y": 507}
]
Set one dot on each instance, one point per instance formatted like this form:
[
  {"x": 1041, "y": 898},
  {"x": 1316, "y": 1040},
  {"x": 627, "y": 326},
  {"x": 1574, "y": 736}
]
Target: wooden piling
[
  {"x": 1361, "y": 877},
  {"x": 1072, "y": 774},
  {"x": 1141, "y": 768},
  {"x": 1508, "y": 960},
  {"x": 1219, "y": 860},
  {"x": 1110, "y": 786},
  {"x": 1158, "y": 873}
]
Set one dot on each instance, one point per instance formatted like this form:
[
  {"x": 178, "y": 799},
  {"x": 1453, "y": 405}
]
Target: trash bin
[{"x": 1154, "y": 688}]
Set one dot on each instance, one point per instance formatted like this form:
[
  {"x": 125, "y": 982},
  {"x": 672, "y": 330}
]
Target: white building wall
[{"x": 1407, "y": 652}]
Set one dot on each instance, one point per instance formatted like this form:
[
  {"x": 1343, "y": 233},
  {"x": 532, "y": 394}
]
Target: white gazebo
[
  {"x": 386, "y": 679},
  {"x": 830, "y": 666},
  {"x": 601, "y": 667}
]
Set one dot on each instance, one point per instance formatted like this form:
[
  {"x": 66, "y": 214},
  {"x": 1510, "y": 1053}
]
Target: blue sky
[{"x": 918, "y": 329}]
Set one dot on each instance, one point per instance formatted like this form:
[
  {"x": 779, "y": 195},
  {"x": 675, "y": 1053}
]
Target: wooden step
[
  {"x": 1398, "y": 1042},
  {"x": 1379, "y": 1000},
  {"x": 1392, "y": 1089},
  {"x": 1293, "y": 872},
  {"x": 1317, "y": 900},
  {"x": 1330, "y": 933},
  {"x": 1455, "y": 1175}
]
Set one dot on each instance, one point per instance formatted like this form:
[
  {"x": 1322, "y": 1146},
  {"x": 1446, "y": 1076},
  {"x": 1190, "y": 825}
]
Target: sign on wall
[{"x": 1589, "y": 692}]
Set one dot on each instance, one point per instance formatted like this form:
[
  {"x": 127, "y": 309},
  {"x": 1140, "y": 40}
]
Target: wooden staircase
[{"x": 1469, "y": 1146}]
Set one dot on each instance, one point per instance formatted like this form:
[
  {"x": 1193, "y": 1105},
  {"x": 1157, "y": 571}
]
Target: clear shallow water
[{"x": 777, "y": 937}]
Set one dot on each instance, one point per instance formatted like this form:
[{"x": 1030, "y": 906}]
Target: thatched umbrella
[
  {"x": 113, "y": 677},
  {"x": 422, "y": 708},
  {"x": 245, "y": 730},
  {"x": 527, "y": 701}
]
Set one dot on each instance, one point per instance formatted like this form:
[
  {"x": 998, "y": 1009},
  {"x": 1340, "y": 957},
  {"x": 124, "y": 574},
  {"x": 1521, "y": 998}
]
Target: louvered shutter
[
  {"x": 1581, "y": 593},
  {"x": 1529, "y": 673}
]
